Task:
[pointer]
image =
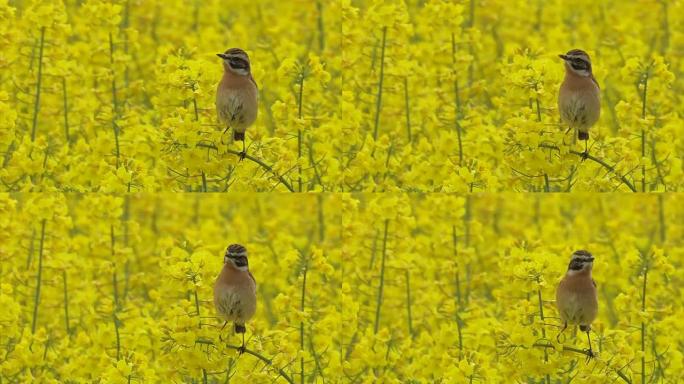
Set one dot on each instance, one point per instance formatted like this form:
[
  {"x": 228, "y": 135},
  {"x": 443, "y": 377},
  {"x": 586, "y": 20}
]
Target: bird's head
[
  {"x": 577, "y": 61},
  {"x": 236, "y": 61},
  {"x": 236, "y": 255},
  {"x": 581, "y": 261}
]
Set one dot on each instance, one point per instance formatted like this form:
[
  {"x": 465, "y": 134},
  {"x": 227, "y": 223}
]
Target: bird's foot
[
  {"x": 241, "y": 349},
  {"x": 242, "y": 155},
  {"x": 584, "y": 155},
  {"x": 590, "y": 354}
]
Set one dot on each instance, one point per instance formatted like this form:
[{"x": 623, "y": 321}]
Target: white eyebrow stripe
[{"x": 230, "y": 254}]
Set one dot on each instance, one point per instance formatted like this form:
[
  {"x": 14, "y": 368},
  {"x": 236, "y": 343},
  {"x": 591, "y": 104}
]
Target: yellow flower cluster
[
  {"x": 453, "y": 289},
  {"x": 118, "y": 96},
  {"x": 120, "y": 289}
]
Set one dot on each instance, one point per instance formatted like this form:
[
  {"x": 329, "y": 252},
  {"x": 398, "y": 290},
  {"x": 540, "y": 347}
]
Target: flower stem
[
  {"x": 115, "y": 290},
  {"x": 66, "y": 111},
  {"x": 581, "y": 352},
  {"x": 408, "y": 301},
  {"x": 607, "y": 166},
  {"x": 199, "y": 324},
  {"x": 39, "y": 277},
  {"x": 408, "y": 110},
  {"x": 301, "y": 324},
  {"x": 378, "y": 102},
  {"x": 643, "y": 324},
  {"x": 547, "y": 378},
  {"x": 29, "y": 257},
  {"x": 382, "y": 278},
  {"x": 457, "y": 109},
  {"x": 66, "y": 302},
  {"x": 259, "y": 356},
  {"x": 254, "y": 159},
  {"x": 643, "y": 133},
  {"x": 661, "y": 218},
  {"x": 115, "y": 102},
  {"x": 36, "y": 106},
  {"x": 299, "y": 132},
  {"x": 321, "y": 30}
]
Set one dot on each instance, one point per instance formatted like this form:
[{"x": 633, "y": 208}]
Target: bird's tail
[
  {"x": 238, "y": 136},
  {"x": 240, "y": 328},
  {"x": 583, "y": 135}
]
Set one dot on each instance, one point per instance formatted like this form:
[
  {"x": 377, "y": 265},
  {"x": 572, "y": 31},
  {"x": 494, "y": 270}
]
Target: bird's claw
[
  {"x": 590, "y": 354},
  {"x": 584, "y": 155},
  {"x": 241, "y": 350},
  {"x": 242, "y": 155}
]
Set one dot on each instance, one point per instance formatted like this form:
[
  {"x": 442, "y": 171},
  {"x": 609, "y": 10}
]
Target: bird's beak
[
  {"x": 563, "y": 57},
  {"x": 222, "y": 55},
  {"x": 591, "y": 259}
]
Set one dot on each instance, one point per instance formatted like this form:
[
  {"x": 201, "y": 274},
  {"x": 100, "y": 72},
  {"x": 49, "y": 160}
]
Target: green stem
[
  {"x": 255, "y": 160},
  {"x": 115, "y": 288},
  {"x": 199, "y": 325},
  {"x": 407, "y": 107},
  {"x": 36, "y": 106},
  {"x": 66, "y": 302},
  {"x": 301, "y": 325},
  {"x": 457, "y": 110},
  {"x": 665, "y": 27},
  {"x": 643, "y": 326},
  {"x": 408, "y": 301},
  {"x": 39, "y": 277},
  {"x": 31, "y": 249},
  {"x": 66, "y": 112},
  {"x": 194, "y": 104},
  {"x": 607, "y": 166},
  {"x": 378, "y": 103},
  {"x": 581, "y": 352},
  {"x": 115, "y": 103},
  {"x": 547, "y": 186},
  {"x": 382, "y": 278},
  {"x": 454, "y": 241},
  {"x": 321, "y": 219},
  {"x": 299, "y": 131},
  {"x": 118, "y": 336},
  {"x": 321, "y": 30},
  {"x": 661, "y": 218},
  {"x": 466, "y": 220},
  {"x": 643, "y": 133},
  {"x": 541, "y": 316},
  {"x": 266, "y": 361}
]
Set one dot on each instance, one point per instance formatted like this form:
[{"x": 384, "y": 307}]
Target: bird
[
  {"x": 579, "y": 96},
  {"x": 576, "y": 296},
  {"x": 237, "y": 95},
  {"x": 235, "y": 291}
]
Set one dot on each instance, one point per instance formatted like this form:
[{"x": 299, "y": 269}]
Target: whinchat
[
  {"x": 237, "y": 95},
  {"x": 576, "y": 296},
  {"x": 579, "y": 97},
  {"x": 235, "y": 290}
]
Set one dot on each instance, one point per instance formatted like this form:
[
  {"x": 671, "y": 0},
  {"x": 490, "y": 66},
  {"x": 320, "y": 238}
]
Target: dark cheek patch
[
  {"x": 580, "y": 66},
  {"x": 575, "y": 265},
  {"x": 239, "y": 64}
]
